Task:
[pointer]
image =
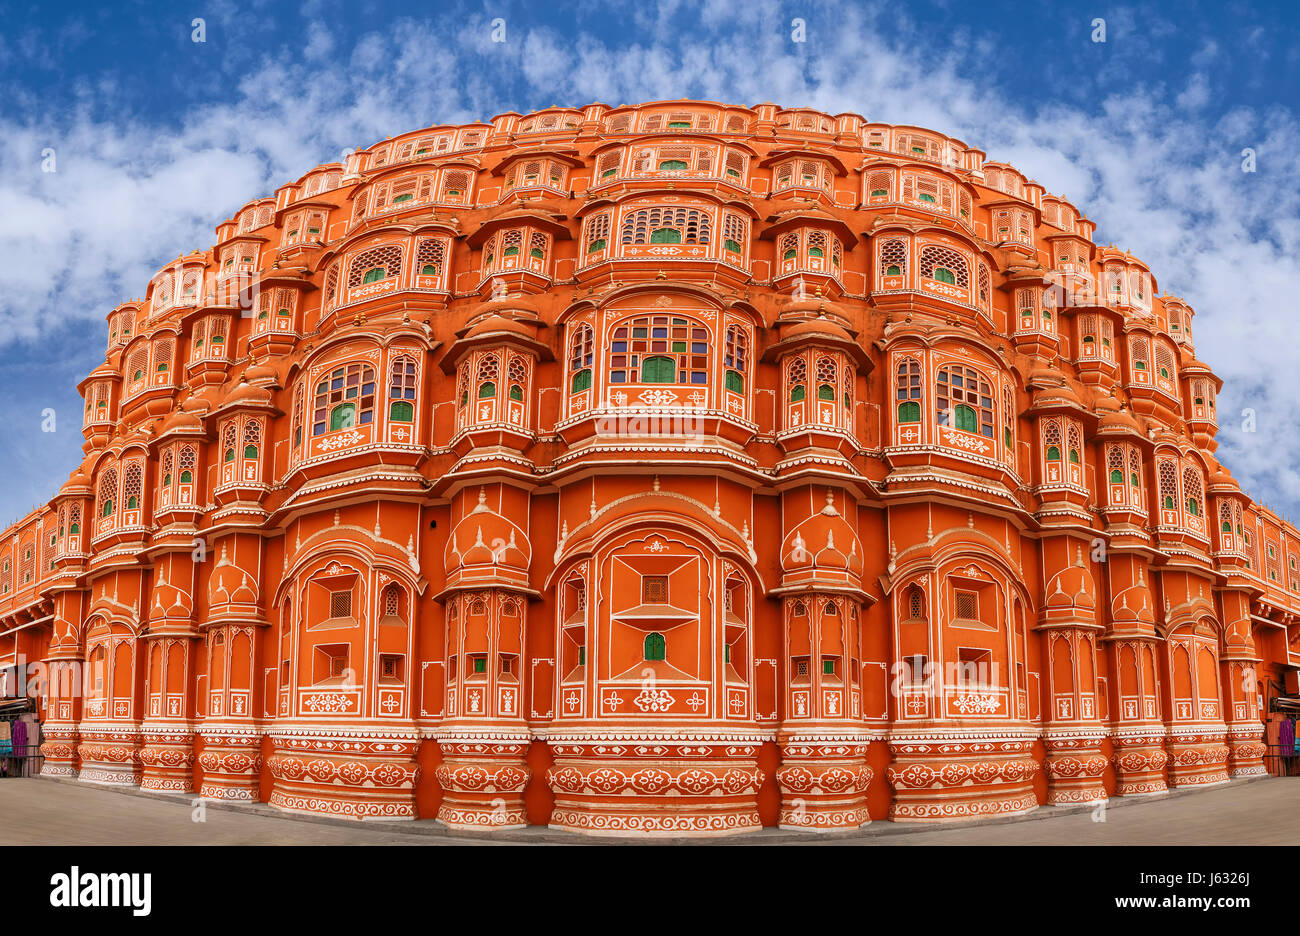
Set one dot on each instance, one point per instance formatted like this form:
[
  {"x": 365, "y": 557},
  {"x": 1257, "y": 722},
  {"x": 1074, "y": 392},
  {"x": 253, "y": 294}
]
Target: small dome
[
  {"x": 181, "y": 421},
  {"x": 1134, "y": 605},
  {"x": 822, "y": 328},
  {"x": 261, "y": 373},
  {"x": 497, "y": 324},
  {"x": 1119, "y": 421},
  {"x": 1072, "y": 587},
  {"x": 823, "y": 542},
  {"x": 248, "y": 393},
  {"x": 486, "y": 538},
  {"x": 1060, "y": 395},
  {"x": 77, "y": 483}
]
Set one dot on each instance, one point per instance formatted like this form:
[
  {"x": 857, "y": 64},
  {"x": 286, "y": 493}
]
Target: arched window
[
  {"x": 826, "y": 378},
  {"x": 228, "y": 433},
  {"x": 914, "y": 608},
  {"x": 162, "y": 356},
  {"x": 252, "y": 438},
  {"x": 907, "y": 390},
  {"x": 430, "y": 256},
  {"x": 108, "y": 492},
  {"x": 1140, "y": 353},
  {"x": 964, "y": 400},
  {"x": 344, "y": 399},
  {"x": 659, "y": 349},
  {"x": 132, "y": 484},
  {"x": 1053, "y": 440},
  {"x": 392, "y": 604},
  {"x": 580, "y": 359},
  {"x": 138, "y": 365},
  {"x": 1164, "y": 362},
  {"x": 945, "y": 265},
  {"x": 893, "y": 257},
  {"x": 375, "y": 264},
  {"x": 488, "y": 368},
  {"x": 401, "y": 390},
  {"x": 608, "y": 163},
  {"x": 1167, "y": 476},
  {"x": 796, "y": 377},
  {"x": 187, "y": 459},
  {"x": 1008, "y": 420},
  {"x": 462, "y": 386},
  {"x": 516, "y": 377},
  {"x": 734, "y": 358},
  {"x": 1074, "y": 445},
  {"x": 598, "y": 231},
  {"x": 1193, "y": 491},
  {"x": 655, "y": 647}
]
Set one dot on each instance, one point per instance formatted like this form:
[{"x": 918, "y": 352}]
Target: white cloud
[
  {"x": 319, "y": 42},
  {"x": 1197, "y": 93},
  {"x": 1157, "y": 177}
]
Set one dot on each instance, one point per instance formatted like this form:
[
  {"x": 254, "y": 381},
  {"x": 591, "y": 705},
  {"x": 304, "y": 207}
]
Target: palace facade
[{"x": 677, "y": 468}]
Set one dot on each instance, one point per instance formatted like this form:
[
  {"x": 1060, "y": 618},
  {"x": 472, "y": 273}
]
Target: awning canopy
[
  {"x": 1286, "y": 703},
  {"x": 15, "y": 706}
]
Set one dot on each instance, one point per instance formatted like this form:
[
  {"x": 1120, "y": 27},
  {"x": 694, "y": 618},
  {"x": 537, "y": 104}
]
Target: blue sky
[{"x": 157, "y": 138}]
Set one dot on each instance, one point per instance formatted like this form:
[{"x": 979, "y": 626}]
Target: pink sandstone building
[{"x": 678, "y": 468}]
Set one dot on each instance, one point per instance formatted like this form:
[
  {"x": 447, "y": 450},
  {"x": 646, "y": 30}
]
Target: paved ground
[{"x": 45, "y": 812}]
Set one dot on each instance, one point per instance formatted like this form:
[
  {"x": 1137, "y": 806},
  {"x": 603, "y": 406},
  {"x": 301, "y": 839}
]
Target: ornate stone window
[
  {"x": 667, "y": 225},
  {"x": 964, "y": 400},
  {"x": 803, "y": 173},
  {"x": 659, "y": 349},
  {"x": 580, "y": 359},
  {"x": 401, "y": 390},
  {"x": 374, "y": 265},
  {"x": 344, "y": 399},
  {"x": 734, "y": 359},
  {"x": 536, "y": 174},
  {"x": 907, "y": 390},
  {"x": 892, "y": 263}
]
